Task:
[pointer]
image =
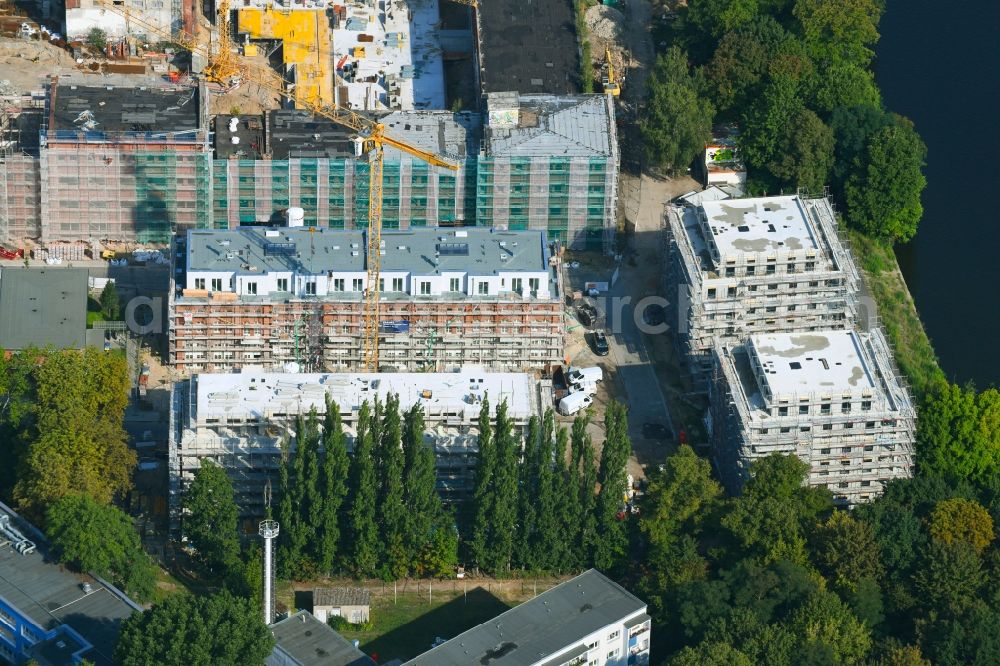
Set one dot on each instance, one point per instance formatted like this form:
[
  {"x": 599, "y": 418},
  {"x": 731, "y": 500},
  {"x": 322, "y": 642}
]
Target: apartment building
[
  {"x": 830, "y": 397},
  {"x": 266, "y": 164},
  {"x": 240, "y": 420},
  {"x": 740, "y": 267},
  {"x": 588, "y": 620},
  {"x": 550, "y": 163},
  {"x": 48, "y": 615},
  {"x": 125, "y": 163},
  {"x": 167, "y": 16},
  {"x": 262, "y": 297}
]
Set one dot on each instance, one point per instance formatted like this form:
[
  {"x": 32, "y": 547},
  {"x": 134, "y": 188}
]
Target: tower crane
[{"x": 225, "y": 64}]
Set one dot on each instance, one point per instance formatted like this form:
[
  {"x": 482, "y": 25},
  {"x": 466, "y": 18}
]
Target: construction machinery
[
  {"x": 370, "y": 139},
  {"x": 609, "y": 81}
]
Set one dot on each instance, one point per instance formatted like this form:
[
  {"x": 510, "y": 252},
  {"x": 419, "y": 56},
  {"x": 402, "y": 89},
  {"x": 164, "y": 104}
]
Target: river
[{"x": 939, "y": 65}]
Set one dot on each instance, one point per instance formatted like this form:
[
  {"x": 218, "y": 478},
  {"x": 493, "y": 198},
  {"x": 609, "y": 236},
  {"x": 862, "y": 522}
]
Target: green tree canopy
[
  {"x": 951, "y": 576},
  {"x": 825, "y": 625},
  {"x": 959, "y": 519},
  {"x": 846, "y": 551},
  {"x": 211, "y": 519},
  {"x": 90, "y": 536},
  {"x": 957, "y": 435},
  {"x": 73, "y": 439},
  {"x": 111, "y": 306},
  {"x": 839, "y": 31},
  {"x": 678, "y": 121},
  {"x": 804, "y": 157},
  {"x": 710, "y": 654},
  {"x": 883, "y": 193},
  {"x": 364, "y": 492},
  {"x": 185, "y": 630}
]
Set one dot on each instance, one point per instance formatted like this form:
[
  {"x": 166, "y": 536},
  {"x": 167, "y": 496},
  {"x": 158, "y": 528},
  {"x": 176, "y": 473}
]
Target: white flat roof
[
  {"x": 759, "y": 225},
  {"x": 250, "y": 395},
  {"x": 828, "y": 362}
]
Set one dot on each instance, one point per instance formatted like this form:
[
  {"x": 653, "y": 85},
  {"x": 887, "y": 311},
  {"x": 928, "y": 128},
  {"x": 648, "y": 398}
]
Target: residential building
[
  {"x": 47, "y": 613},
  {"x": 263, "y": 297},
  {"x": 587, "y": 620},
  {"x": 303, "y": 640},
  {"x": 126, "y": 163},
  {"x": 831, "y": 397},
  {"x": 240, "y": 420},
  {"x": 41, "y": 307},
  {"x": 351, "y": 603},
  {"x": 266, "y": 164},
  {"x": 550, "y": 163},
  {"x": 740, "y": 267}
]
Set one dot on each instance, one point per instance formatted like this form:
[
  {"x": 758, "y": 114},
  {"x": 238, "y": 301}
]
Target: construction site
[
  {"x": 265, "y": 297},
  {"x": 240, "y": 421},
  {"x": 149, "y": 162},
  {"x": 746, "y": 266},
  {"x": 832, "y": 398}
]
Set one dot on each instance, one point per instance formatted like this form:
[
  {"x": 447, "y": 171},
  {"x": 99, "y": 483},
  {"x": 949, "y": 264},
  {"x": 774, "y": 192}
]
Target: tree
[
  {"x": 852, "y": 127},
  {"x": 781, "y": 477},
  {"x": 680, "y": 496},
  {"x": 73, "y": 435},
  {"x": 959, "y": 519},
  {"x": 427, "y": 526},
  {"x": 710, "y": 654},
  {"x": 903, "y": 655},
  {"x": 185, "y": 630},
  {"x": 439, "y": 555},
  {"x": 547, "y": 533},
  {"x": 804, "y": 156},
  {"x": 528, "y": 475},
  {"x": 844, "y": 85},
  {"x": 211, "y": 519},
  {"x": 957, "y": 435},
  {"x": 289, "y": 542},
  {"x": 97, "y": 39},
  {"x": 503, "y": 521},
  {"x": 972, "y": 639},
  {"x": 611, "y": 548},
  {"x": 564, "y": 555},
  {"x": 767, "y": 119},
  {"x": 839, "y": 31},
  {"x": 391, "y": 509},
  {"x": 333, "y": 487},
  {"x": 483, "y": 493},
  {"x": 363, "y": 494},
  {"x": 846, "y": 551},
  {"x": 951, "y": 576},
  {"x": 312, "y": 497},
  {"x": 110, "y": 303},
  {"x": 589, "y": 535},
  {"x": 92, "y": 537},
  {"x": 825, "y": 625},
  {"x": 883, "y": 194},
  {"x": 678, "y": 121}
]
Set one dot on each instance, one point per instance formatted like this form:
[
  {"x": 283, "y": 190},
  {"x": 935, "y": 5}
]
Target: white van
[
  {"x": 590, "y": 388},
  {"x": 582, "y": 375},
  {"x": 574, "y": 402}
]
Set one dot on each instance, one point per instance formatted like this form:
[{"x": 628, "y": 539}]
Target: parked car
[
  {"x": 578, "y": 375},
  {"x": 574, "y": 402},
  {"x": 587, "y": 314},
  {"x": 655, "y": 431},
  {"x": 599, "y": 343}
]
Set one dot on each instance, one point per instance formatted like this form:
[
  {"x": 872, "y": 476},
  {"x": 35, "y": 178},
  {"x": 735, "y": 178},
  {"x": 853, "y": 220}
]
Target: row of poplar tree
[{"x": 540, "y": 500}]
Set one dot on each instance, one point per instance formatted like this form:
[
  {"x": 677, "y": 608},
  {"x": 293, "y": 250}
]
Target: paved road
[{"x": 635, "y": 368}]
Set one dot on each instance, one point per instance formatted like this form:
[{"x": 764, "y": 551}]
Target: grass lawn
[
  {"x": 408, "y": 627},
  {"x": 914, "y": 352}
]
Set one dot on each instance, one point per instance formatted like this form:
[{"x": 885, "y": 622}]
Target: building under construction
[
  {"x": 266, "y": 164},
  {"x": 830, "y": 397},
  {"x": 126, "y": 163},
  {"x": 550, "y": 163},
  {"x": 262, "y": 297},
  {"x": 239, "y": 421},
  {"x": 740, "y": 267}
]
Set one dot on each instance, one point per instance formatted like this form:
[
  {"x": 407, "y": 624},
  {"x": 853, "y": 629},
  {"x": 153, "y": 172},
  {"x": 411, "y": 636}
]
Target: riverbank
[{"x": 898, "y": 314}]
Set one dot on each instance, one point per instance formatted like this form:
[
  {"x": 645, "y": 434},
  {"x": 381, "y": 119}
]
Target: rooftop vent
[
  {"x": 453, "y": 249},
  {"x": 279, "y": 249},
  {"x": 795, "y": 365}
]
